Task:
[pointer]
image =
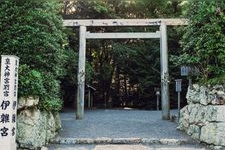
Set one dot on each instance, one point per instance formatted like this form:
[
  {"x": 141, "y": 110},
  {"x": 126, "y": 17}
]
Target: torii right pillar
[{"x": 164, "y": 72}]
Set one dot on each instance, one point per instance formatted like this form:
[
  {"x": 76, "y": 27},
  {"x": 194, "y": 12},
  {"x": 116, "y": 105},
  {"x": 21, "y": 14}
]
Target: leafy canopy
[
  {"x": 33, "y": 31},
  {"x": 203, "y": 41}
]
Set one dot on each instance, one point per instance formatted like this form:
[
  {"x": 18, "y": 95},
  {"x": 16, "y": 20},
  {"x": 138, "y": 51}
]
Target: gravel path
[
  {"x": 121, "y": 130},
  {"x": 119, "y": 124}
]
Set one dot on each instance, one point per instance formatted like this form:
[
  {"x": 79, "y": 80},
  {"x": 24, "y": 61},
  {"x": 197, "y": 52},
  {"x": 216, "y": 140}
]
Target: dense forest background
[{"x": 125, "y": 73}]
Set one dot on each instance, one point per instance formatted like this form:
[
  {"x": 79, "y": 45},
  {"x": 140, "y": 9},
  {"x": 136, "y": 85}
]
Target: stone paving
[
  {"x": 131, "y": 129},
  {"x": 124, "y": 147}
]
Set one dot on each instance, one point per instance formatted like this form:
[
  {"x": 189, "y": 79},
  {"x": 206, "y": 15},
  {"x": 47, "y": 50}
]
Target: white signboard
[
  {"x": 189, "y": 71},
  {"x": 184, "y": 70},
  {"x": 178, "y": 85},
  {"x": 8, "y": 101}
]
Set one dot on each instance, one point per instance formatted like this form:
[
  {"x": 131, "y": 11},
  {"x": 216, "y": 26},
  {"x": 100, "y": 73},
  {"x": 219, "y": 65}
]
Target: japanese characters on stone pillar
[{"x": 8, "y": 101}]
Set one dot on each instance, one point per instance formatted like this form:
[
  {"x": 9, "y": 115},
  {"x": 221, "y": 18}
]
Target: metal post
[
  {"x": 178, "y": 104},
  {"x": 92, "y": 101},
  {"x": 89, "y": 98},
  {"x": 157, "y": 102},
  {"x": 164, "y": 72},
  {"x": 178, "y": 90},
  {"x": 81, "y": 74},
  {"x": 157, "y": 94},
  {"x": 190, "y": 82},
  {"x": 105, "y": 99}
]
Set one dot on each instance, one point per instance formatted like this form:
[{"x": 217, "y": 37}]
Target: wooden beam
[
  {"x": 128, "y": 35},
  {"x": 123, "y": 22}
]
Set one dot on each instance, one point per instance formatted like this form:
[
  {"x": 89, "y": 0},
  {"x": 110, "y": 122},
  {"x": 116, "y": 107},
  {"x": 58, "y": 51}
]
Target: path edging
[{"x": 105, "y": 140}]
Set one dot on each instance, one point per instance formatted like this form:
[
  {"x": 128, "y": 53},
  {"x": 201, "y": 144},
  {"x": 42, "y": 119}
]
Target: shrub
[
  {"x": 203, "y": 41},
  {"x": 33, "y": 31},
  {"x": 30, "y": 81}
]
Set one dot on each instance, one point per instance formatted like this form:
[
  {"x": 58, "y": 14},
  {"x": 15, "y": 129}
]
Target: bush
[
  {"x": 203, "y": 41},
  {"x": 33, "y": 31},
  {"x": 30, "y": 82}
]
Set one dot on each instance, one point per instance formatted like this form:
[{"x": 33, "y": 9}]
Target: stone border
[{"x": 104, "y": 140}]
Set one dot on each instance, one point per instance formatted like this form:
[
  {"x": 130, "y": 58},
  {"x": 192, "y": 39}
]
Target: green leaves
[
  {"x": 139, "y": 61},
  {"x": 123, "y": 66},
  {"x": 33, "y": 31},
  {"x": 203, "y": 40},
  {"x": 30, "y": 81}
]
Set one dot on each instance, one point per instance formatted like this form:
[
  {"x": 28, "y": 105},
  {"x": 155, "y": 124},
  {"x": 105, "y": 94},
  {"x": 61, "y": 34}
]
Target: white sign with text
[{"x": 8, "y": 101}]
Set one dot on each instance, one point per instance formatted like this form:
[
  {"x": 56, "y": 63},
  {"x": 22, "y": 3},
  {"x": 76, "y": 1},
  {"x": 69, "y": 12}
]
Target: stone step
[
  {"x": 105, "y": 140},
  {"x": 123, "y": 147}
]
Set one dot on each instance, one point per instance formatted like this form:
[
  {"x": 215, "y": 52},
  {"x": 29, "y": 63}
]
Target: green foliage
[
  {"x": 145, "y": 70},
  {"x": 51, "y": 104},
  {"x": 121, "y": 9},
  {"x": 50, "y": 99},
  {"x": 203, "y": 41},
  {"x": 71, "y": 67},
  {"x": 33, "y": 31},
  {"x": 30, "y": 81},
  {"x": 124, "y": 66},
  {"x": 89, "y": 73},
  {"x": 45, "y": 86}
]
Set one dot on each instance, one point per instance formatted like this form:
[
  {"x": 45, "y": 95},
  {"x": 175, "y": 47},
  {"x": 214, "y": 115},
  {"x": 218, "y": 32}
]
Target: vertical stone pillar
[
  {"x": 164, "y": 72},
  {"x": 81, "y": 74},
  {"x": 8, "y": 101}
]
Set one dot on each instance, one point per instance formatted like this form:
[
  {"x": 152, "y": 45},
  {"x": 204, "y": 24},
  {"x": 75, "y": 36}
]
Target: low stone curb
[{"x": 103, "y": 140}]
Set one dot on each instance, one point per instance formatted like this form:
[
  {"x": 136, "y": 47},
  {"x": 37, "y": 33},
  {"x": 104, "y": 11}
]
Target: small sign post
[
  {"x": 8, "y": 101},
  {"x": 184, "y": 70},
  {"x": 178, "y": 90},
  {"x": 157, "y": 94},
  {"x": 189, "y": 72}
]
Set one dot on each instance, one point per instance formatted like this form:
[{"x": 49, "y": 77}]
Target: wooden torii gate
[{"x": 161, "y": 34}]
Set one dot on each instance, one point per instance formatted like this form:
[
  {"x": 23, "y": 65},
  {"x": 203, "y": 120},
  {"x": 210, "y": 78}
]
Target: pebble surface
[
  {"x": 119, "y": 124},
  {"x": 120, "y": 130}
]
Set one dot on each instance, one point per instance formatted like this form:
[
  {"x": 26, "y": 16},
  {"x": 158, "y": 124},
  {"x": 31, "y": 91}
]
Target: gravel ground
[{"x": 119, "y": 124}]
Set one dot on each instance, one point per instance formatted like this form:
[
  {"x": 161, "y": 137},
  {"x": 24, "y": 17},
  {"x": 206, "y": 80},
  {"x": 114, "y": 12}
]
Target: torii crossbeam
[{"x": 162, "y": 35}]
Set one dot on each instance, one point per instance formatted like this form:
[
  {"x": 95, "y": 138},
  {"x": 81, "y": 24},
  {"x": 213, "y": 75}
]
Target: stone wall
[
  {"x": 35, "y": 127},
  {"x": 204, "y": 116}
]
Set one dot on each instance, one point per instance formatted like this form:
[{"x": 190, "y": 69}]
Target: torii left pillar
[
  {"x": 164, "y": 72},
  {"x": 81, "y": 74}
]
